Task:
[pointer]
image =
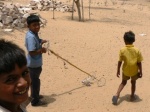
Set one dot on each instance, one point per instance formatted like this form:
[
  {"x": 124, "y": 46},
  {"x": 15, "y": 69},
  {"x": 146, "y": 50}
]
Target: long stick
[
  {"x": 70, "y": 63},
  {"x": 99, "y": 80}
]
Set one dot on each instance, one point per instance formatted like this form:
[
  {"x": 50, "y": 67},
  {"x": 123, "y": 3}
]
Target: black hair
[
  {"x": 129, "y": 37},
  {"x": 10, "y": 55},
  {"x": 32, "y": 19}
]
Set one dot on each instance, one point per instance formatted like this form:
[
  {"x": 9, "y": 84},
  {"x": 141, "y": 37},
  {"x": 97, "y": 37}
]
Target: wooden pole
[
  {"x": 72, "y": 9},
  {"x": 53, "y": 10},
  {"x": 82, "y": 10},
  {"x": 89, "y": 9},
  {"x": 78, "y": 8}
]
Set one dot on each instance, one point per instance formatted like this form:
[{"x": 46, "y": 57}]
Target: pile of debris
[
  {"x": 14, "y": 16},
  {"x": 46, "y": 5}
]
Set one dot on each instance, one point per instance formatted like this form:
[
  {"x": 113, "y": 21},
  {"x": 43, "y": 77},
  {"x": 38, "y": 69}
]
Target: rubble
[
  {"x": 12, "y": 16},
  {"x": 46, "y": 5},
  {"x": 15, "y": 15}
]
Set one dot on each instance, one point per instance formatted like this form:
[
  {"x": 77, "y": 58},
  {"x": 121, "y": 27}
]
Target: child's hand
[
  {"x": 118, "y": 74},
  {"x": 43, "y": 50},
  {"x": 140, "y": 75},
  {"x": 44, "y": 41}
]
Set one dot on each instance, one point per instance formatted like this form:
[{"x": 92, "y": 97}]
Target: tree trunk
[{"x": 78, "y": 8}]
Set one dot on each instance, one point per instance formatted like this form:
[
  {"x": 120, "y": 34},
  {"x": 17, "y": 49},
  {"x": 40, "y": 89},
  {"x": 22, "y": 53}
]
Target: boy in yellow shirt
[{"x": 132, "y": 66}]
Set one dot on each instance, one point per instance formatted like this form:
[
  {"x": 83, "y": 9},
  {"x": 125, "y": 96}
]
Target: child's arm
[
  {"x": 37, "y": 52},
  {"x": 42, "y": 41},
  {"x": 118, "y": 68},
  {"x": 140, "y": 69}
]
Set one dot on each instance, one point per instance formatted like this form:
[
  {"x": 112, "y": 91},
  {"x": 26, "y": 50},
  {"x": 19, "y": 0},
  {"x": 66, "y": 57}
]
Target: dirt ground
[{"x": 93, "y": 46}]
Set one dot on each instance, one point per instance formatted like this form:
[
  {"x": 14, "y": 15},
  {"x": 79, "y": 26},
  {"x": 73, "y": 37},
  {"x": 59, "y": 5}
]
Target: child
[
  {"x": 14, "y": 78},
  {"x": 34, "y": 58},
  {"x": 132, "y": 66}
]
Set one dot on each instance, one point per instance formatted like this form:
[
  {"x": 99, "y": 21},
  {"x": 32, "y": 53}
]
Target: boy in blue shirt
[{"x": 34, "y": 57}]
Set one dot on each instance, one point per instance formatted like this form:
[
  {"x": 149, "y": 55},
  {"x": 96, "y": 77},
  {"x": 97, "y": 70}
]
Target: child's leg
[
  {"x": 35, "y": 84},
  {"x": 121, "y": 86},
  {"x": 133, "y": 88}
]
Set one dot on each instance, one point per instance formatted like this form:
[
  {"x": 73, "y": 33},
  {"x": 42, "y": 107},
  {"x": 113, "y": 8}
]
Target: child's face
[
  {"x": 34, "y": 27},
  {"x": 14, "y": 86}
]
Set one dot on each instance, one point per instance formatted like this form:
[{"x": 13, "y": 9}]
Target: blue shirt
[{"x": 33, "y": 43}]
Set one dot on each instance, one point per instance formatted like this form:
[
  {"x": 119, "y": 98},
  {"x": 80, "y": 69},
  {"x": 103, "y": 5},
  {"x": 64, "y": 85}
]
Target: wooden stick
[
  {"x": 53, "y": 10},
  {"x": 99, "y": 80},
  {"x": 72, "y": 9},
  {"x": 70, "y": 63},
  {"x": 82, "y": 10},
  {"x": 89, "y": 9}
]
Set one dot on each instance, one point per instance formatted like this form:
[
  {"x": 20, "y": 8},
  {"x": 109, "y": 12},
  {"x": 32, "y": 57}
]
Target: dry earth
[{"x": 93, "y": 46}]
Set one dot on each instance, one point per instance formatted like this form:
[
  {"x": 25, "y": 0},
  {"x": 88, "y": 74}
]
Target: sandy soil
[{"x": 93, "y": 46}]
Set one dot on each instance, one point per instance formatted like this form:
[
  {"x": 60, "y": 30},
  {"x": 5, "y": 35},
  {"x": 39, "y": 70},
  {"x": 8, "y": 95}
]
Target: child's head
[
  {"x": 14, "y": 74},
  {"x": 129, "y": 37},
  {"x": 33, "y": 22}
]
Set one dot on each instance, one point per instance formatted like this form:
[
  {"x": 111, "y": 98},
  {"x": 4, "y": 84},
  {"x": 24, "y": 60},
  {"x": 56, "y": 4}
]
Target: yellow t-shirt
[{"x": 130, "y": 55}]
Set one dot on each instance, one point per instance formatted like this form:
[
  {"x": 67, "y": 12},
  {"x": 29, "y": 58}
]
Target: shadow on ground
[
  {"x": 67, "y": 92},
  {"x": 102, "y": 20},
  {"x": 48, "y": 99},
  {"x": 127, "y": 98}
]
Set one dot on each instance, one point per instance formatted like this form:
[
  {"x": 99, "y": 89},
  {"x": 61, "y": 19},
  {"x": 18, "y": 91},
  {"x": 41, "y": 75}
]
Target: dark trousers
[{"x": 35, "y": 83}]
